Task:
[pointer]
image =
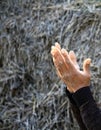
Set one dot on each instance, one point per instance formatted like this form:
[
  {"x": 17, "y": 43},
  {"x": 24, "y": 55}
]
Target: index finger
[
  {"x": 59, "y": 60},
  {"x": 56, "y": 53}
]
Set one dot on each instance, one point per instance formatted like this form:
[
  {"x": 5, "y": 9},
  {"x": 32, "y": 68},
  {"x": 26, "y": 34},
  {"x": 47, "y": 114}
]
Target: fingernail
[
  {"x": 63, "y": 50},
  {"x": 89, "y": 61},
  {"x": 53, "y": 47},
  {"x": 71, "y": 52},
  {"x": 56, "y": 43}
]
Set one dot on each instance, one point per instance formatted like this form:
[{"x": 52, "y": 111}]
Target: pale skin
[{"x": 68, "y": 69}]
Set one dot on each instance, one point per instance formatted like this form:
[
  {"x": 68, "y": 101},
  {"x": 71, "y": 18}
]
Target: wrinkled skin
[{"x": 68, "y": 69}]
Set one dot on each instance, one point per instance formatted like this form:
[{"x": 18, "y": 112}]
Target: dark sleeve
[
  {"x": 90, "y": 113},
  {"x": 75, "y": 110}
]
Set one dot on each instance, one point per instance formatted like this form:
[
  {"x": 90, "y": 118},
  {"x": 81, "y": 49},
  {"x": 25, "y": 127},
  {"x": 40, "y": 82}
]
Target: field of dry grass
[{"x": 32, "y": 97}]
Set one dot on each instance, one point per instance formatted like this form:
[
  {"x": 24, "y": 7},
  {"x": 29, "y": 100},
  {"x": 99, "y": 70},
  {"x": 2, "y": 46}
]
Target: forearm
[
  {"x": 75, "y": 111},
  {"x": 77, "y": 115},
  {"x": 90, "y": 113}
]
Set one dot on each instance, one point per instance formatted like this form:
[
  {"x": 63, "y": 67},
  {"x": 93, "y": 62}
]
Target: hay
[{"x": 31, "y": 95}]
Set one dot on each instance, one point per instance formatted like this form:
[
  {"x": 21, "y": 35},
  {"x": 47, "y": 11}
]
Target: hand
[{"x": 68, "y": 69}]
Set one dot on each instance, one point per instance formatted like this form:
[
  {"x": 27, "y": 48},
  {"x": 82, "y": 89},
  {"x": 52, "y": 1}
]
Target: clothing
[{"x": 85, "y": 109}]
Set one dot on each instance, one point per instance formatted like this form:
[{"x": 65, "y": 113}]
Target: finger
[
  {"x": 66, "y": 56},
  {"x": 65, "y": 81},
  {"x": 60, "y": 65},
  {"x": 57, "y": 57},
  {"x": 58, "y": 73},
  {"x": 59, "y": 61},
  {"x": 86, "y": 66},
  {"x": 56, "y": 53},
  {"x": 53, "y": 50},
  {"x": 58, "y": 45},
  {"x": 73, "y": 58},
  {"x": 62, "y": 78}
]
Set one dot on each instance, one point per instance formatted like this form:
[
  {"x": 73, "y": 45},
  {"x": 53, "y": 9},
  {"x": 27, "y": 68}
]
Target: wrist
[
  {"x": 75, "y": 88},
  {"x": 70, "y": 89},
  {"x": 69, "y": 94},
  {"x": 80, "y": 86}
]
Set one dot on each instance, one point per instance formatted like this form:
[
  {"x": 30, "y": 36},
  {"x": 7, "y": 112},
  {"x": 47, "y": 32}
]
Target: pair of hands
[{"x": 68, "y": 69}]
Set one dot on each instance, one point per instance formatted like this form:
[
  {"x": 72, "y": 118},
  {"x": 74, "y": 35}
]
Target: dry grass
[{"x": 31, "y": 95}]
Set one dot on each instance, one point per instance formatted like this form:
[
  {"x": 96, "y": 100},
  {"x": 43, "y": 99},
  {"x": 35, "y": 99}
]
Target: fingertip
[
  {"x": 63, "y": 51},
  {"x": 52, "y": 52},
  {"x": 86, "y": 65},
  {"x": 52, "y": 47},
  {"x": 72, "y": 56},
  {"x": 87, "y": 61},
  {"x": 57, "y": 45},
  {"x": 71, "y": 52}
]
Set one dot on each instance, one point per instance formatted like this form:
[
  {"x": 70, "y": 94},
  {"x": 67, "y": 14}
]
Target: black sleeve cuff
[
  {"x": 70, "y": 97},
  {"x": 82, "y": 96}
]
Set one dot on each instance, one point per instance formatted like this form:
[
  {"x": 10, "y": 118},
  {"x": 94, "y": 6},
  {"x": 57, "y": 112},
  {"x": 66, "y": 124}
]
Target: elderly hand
[{"x": 68, "y": 68}]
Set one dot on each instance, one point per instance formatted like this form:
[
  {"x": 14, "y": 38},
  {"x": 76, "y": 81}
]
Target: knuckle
[
  {"x": 67, "y": 61},
  {"x": 59, "y": 64},
  {"x": 65, "y": 76}
]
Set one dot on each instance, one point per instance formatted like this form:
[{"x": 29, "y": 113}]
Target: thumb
[{"x": 86, "y": 66}]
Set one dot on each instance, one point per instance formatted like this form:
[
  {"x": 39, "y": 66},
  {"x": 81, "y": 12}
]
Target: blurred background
[{"x": 32, "y": 97}]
